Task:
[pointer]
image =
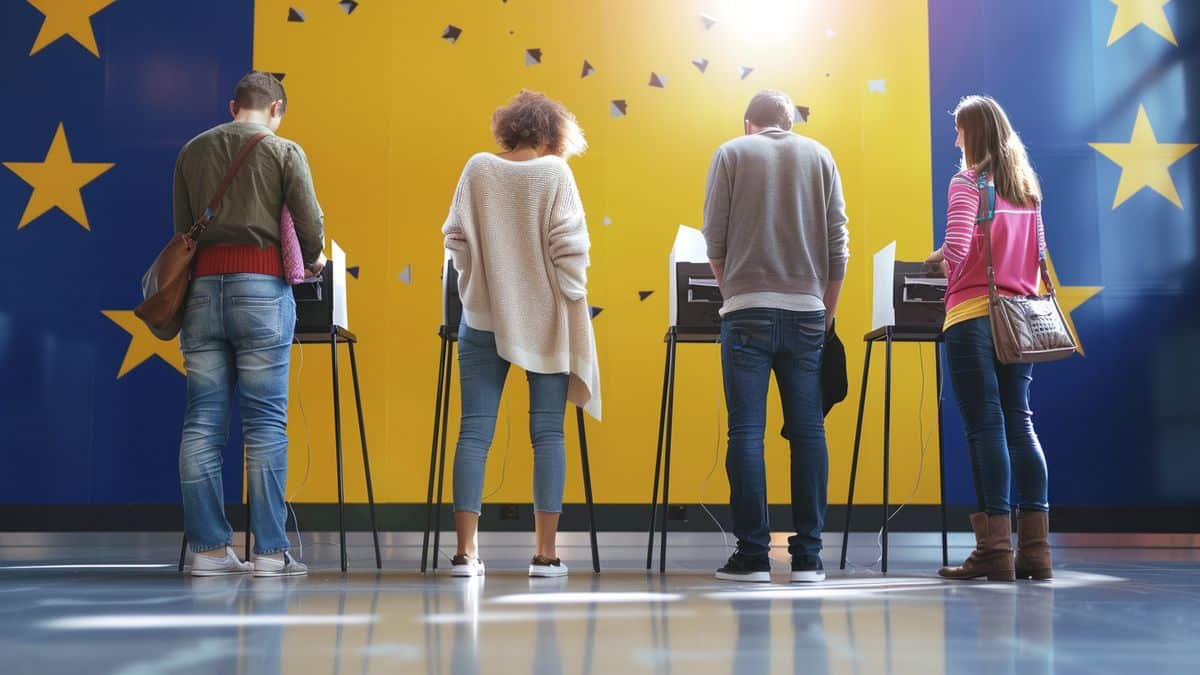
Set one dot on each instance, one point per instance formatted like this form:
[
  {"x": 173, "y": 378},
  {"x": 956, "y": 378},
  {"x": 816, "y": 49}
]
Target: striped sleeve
[
  {"x": 960, "y": 220},
  {"x": 1041, "y": 234}
]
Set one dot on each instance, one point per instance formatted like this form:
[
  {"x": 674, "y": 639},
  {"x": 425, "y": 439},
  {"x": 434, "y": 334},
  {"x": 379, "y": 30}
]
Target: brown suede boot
[
  {"x": 993, "y": 555},
  {"x": 1033, "y": 546}
]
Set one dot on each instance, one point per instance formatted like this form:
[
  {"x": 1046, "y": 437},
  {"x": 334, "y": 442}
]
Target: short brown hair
[
  {"x": 257, "y": 91},
  {"x": 991, "y": 144},
  {"x": 533, "y": 119},
  {"x": 771, "y": 108}
]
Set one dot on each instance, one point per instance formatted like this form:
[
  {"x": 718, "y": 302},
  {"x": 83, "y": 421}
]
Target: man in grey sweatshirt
[{"x": 775, "y": 225}]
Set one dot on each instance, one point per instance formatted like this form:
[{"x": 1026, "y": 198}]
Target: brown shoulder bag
[
  {"x": 165, "y": 284},
  {"x": 1025, "y": 329}
]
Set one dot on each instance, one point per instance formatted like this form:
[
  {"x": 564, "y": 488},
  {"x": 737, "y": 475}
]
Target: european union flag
[
  {"x": 99, "y": 97},
  {"x": 1100, "y": 91}
]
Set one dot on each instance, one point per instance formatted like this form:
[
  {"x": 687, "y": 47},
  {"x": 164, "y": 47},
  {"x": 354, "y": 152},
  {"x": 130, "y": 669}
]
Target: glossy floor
[{"x": 114, "y": 604}]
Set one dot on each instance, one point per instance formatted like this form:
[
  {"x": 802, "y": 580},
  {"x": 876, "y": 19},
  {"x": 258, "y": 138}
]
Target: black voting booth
[
  {"x": 698, "y": 321},
  {"x": 448, "y": 333},
  {"x": 918, "y": 299},
  {"x": 315, "y": 325}
]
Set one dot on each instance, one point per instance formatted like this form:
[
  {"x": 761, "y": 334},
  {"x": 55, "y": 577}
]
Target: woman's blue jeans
[
  {"x": 237, "y": 333},
  {"x": 482, "y": 373},
  {"x": 993, "y": 399}
]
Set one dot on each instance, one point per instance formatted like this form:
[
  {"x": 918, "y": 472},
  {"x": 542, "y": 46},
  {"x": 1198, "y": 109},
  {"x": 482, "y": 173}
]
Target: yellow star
[
  {"x": 1144, "y": 161},
  {"x": 1070, "y": 298},
  {"x": 143, "y": 344},
  {"x": 68, "y": 17},
  {"x": 1133, "y": 13},
  {"x": 56, "y": 181}
]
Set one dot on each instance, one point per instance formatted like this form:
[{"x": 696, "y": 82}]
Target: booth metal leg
[
  {"x": 362, "y": 435},
  {"x": 437, "y": 419},
  {"x": 887, "y": 446},
  {"x": 587, "y": 489},
  {"x": 662, "y": 425},
  {"x": 337, "y": 431},
  {"x": 666, "y": 501},
  {"x": 937, "y": 358},
  {"x": 437, "y": 532},
  {"x": 862, "y": 404}
]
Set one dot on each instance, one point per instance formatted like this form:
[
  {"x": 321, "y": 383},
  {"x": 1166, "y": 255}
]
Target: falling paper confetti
[
  {"x": 802, "y": 112},
  {"x": 348, "y": 5},
  {"x": 279, "y": 76},
  {"x": 295, "y": 15},
  {"x": 588, "y": 69},
  {"x": 708, "y": 21},
  {"x": 607, "y": 220},
  {"x": 701, "y": 63},
  {"x": 406, "y": 275},
  {"x": 353, "y": 271},
  {"x": 744, "y": 71},
  {"x": 644, "y": 294},
  {"x": 657, "y": 80},
  {"x": 618, "y": 108},
  {"x": 533, "y": 57},
  {"x": 451, "y": 34},
  {"x": 877, "y": 86},
  {"x": 595, "y": 310}
]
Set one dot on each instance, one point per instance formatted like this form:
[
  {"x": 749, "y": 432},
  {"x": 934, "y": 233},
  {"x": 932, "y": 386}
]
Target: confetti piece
[
  {"x": 619, "y": 108},
  {"x": 744, "y": 71},
  {"x": 295, "y": 15},
  {"x": 701, "y": 63},
  {"x": 279, "y": 76},
  {"x": 533, "y": 57},
  {"x": 353, "y": 271},
  {"x": 406, "y": 275},
  {"x": 348, "y": 6},
  {"x": 451, "y": 33},
  {"x": 708, "y": 21},
  {"x": 877, "y": 86},
  {"x": 607, "y": 220},
  {"x": 657, "y": 80},
  {"x": 644, "y": 294},
  {"x": 801, "y": 115},
  {"x": 588, "y": 69},
  {"x": 595, "y": 311}
]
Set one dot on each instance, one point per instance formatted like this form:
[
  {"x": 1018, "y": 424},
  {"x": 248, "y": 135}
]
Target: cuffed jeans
[
  {"x": 993, "y": 399},
  {"x": 237, "y": 331},
  {"x": 755, "y": 342},
  {"x": 482, "y": 373}
]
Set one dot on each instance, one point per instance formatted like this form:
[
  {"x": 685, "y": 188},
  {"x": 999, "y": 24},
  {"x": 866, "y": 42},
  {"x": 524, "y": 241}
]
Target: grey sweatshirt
[{"x": 775, "y": 215}]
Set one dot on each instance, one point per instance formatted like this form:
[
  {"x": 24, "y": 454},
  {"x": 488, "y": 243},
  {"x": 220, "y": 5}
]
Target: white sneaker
[
  {"x": 208, "y": 566},
  {"x": 541, "y": 566},
  {"x": 464, "y": 566},
  {"x": 287, "y": 566}
]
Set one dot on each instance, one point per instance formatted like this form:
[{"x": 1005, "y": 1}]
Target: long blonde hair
[{"x": 991, "y": 144}]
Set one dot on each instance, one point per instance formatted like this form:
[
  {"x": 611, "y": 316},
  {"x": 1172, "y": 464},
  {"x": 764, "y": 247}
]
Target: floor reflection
[{"x": 1106, "y": 618}]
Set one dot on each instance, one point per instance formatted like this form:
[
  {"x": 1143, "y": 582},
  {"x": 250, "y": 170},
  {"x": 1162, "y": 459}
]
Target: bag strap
[
  {"x": 209, "y": 211},
  {"x": 987, "y": 196}
]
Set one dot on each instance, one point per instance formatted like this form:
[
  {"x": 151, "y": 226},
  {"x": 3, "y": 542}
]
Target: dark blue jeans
[
  {"x": 993, "y": 399},
  {"x": 755, "y": 342}
]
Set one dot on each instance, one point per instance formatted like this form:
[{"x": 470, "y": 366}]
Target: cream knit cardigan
[{"x": 519, "y": 240}]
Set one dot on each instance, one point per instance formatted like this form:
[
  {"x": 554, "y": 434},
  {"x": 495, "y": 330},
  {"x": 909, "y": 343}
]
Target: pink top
[{"x": 1017, "y": 236}]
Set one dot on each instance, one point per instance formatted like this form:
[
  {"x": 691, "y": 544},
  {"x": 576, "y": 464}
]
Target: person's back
[
  {"x": 515, "y": 291},
  {"x": 775, "y": 225},
  {"x": 786, "y": 228},
  {"x": 238, "y": 324}
]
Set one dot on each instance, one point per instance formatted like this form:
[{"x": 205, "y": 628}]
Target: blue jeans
[
  {"x": 755, "y": 342},
  {"x": 993, "y": 399},
  {"x": 237, "y": 331},
  {"x": 482, "y": 373}
]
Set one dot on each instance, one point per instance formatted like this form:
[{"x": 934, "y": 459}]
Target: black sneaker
[
  {"x": 741, "y": 567},
  {"x": 807, "y": 569}
]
